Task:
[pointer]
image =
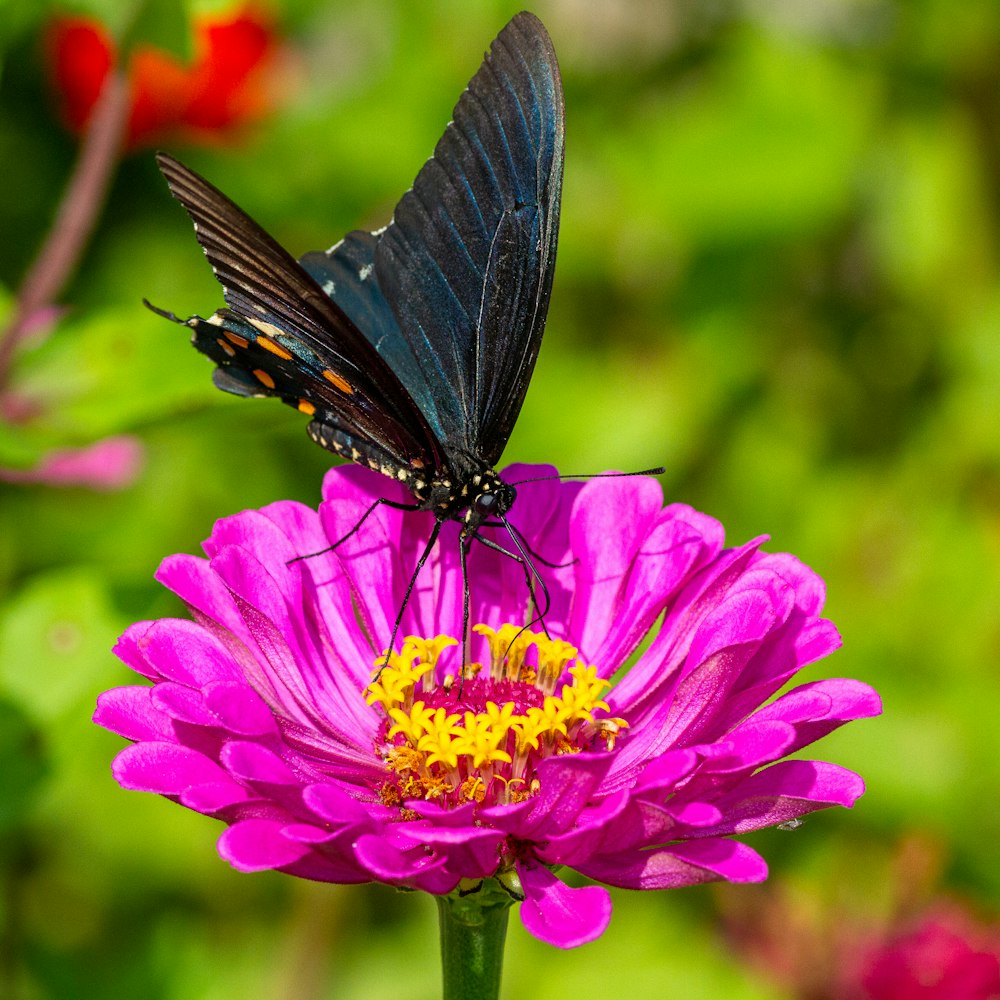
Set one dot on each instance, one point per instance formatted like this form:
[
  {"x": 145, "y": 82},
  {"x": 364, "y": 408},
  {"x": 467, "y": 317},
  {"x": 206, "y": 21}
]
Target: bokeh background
[{"x": 777, "y": 276}]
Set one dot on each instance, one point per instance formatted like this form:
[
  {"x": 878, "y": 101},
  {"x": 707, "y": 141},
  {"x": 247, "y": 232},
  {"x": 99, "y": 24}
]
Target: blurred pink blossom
[{"x": 111, "y": 464}]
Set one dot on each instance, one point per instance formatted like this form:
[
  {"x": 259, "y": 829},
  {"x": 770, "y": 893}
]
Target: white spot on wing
[
  {"x": 365, "y": 272},
  {"x": 330, "y": 287}
]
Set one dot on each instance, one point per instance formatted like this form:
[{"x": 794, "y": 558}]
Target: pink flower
[
  {"x": 946, "y": 956},
  {"x": 263, "y": 712},
  {"x": 113, "y": 463}
]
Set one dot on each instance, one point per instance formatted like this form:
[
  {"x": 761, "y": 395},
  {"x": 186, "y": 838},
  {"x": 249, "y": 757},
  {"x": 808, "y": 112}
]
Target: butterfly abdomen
[{"x": 324, "y": 430}]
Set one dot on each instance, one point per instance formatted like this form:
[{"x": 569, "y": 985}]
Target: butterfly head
[
  {"x": 486, "y": 497},
  {"x": 496, "y": 502}
]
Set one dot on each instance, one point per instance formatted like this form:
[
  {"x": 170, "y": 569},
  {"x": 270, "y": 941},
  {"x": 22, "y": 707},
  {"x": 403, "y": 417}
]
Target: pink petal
[
  {"x": 129, "y": 712},
  {"x": 255, "y": 845},
  {"x": 558, "y": 915},
  {"x": 239, "y": 709},
  {"x": 567, "y": 783},
  {"x": 251, "y": 762},
  {"x": 610, "y": 519},
  {"x": 785, "y": 791},
  {"x": 183, "y": 704},
  {"x": 673, "y": 549},
  {"x": 691, "y": 863},
  {"x": 473, "y": 852},
  {"x": 214, "y": 797},
  {"x": 388, "y": 863},
  {"x": 194, "y": 582},
  {"x": 335, "y": 806},
  {"x": 165, "y": 768},
  {"x": 128, "y": 649},
  {"x": 185, "y": 652}
]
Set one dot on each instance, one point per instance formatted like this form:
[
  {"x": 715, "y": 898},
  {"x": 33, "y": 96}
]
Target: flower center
[{"x": 481, "y": 740}]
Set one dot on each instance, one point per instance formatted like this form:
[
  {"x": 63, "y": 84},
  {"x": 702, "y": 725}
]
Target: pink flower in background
[
  {"x": 262, "y": 712},
  {"x": 947, "y": 955},
  {"x": 113, "y": 463}
]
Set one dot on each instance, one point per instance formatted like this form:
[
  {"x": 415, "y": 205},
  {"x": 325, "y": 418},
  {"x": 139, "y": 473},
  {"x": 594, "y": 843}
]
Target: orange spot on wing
[
  {"x": 263, "y": 378},
  {"x": 235, "y": 338},
  {"x": 274, "y": 348},
  {"x": 226, "y": 347},
  {"x": 339, "y": 381},
  {"x": 306, "y": 407}
]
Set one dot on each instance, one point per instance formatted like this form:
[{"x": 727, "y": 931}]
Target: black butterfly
[{"x": 411, "y": 348}]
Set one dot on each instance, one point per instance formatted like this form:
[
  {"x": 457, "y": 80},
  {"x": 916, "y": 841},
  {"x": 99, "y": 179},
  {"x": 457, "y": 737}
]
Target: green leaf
[
  {"x": 164, "y": 24},
  {"x": 108, "y": 371},
  {"x": 25, "y": 763},
  {"x": 55, "y": 638}
]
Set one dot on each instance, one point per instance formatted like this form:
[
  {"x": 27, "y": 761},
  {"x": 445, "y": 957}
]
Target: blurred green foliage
[{"x": 777, "y": 275}]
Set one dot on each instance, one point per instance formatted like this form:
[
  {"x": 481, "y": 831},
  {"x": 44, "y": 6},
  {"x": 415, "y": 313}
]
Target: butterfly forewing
[
  {"x": 467, "y": 263},
  {"x": 283, "y": 335}
]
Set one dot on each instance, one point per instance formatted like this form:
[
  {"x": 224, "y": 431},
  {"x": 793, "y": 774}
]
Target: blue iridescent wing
[
  {"x": 346, "y": 272},
  {"x": 465, "y": 267}
]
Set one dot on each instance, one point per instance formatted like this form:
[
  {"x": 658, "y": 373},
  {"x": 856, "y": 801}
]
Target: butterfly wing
[
  {"x": 283, "y": 336},
  {"x": 346, "y": 273},
  {"x": 466, "y": 265}
]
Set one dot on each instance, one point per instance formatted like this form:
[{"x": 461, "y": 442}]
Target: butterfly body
[{"x": 410, "y": 348}]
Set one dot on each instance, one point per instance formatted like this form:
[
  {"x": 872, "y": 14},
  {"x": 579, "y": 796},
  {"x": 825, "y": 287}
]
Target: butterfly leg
[
  {"x": 463, "y": 554},
  {"x": 395, "y": 504},
  {"x": 435, "y": 531},
  {"x": 531, "y": 574},
  {"x": 527, "y": 548}
]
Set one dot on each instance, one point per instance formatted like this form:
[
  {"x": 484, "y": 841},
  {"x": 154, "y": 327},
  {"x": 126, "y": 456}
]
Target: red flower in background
[{"x": 225, "y": 86}]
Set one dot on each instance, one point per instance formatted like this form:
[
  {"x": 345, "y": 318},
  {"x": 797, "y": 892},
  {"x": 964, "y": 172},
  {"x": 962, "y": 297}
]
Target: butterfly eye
[
  {"x": 486, "y": 503},
  {"x": 497, "y": 502}
]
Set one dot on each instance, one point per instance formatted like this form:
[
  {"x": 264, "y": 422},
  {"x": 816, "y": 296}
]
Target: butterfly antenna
[
  {"x": 658, "y": 471},
  {"x": 165, "y": 313}
]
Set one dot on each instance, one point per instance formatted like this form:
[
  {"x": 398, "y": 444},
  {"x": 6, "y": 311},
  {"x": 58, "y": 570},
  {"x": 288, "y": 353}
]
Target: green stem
[
  {"x": 473, "y": 929},
  {"x": 75, "y": 218}
]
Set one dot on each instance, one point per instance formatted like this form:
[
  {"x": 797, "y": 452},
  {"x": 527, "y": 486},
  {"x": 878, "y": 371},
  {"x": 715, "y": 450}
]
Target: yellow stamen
[{"x": 490, "y": 754}]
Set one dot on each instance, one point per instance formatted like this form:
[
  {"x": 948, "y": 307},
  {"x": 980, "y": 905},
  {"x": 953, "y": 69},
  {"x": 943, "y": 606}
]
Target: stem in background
[
  {"x": 473, "y": 931},
  {"x": 85, "y": 194}
]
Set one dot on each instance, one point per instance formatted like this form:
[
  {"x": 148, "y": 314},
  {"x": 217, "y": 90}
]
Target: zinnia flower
[
  {"x": 225, "y": 86},
  {"x": 442, "y": 769}
]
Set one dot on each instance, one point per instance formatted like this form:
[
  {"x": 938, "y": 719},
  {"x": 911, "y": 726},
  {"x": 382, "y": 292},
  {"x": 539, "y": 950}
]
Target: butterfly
[{"x": 410, "y": 348}]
